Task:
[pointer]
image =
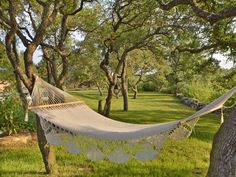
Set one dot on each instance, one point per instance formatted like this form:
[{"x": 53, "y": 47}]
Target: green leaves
[
  {"x": 12, "y": 115},
  {"x": 8, "y": 113}
]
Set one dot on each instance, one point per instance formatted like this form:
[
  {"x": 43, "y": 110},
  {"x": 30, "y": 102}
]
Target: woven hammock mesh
[{"x": 70, "y": 123}]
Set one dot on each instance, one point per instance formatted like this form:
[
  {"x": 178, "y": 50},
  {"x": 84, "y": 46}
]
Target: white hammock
[{"x": 69, "y": 122}]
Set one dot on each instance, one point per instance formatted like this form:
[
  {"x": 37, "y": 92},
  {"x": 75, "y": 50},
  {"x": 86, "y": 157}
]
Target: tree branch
[
  {"x": 31, "y": 16},
  {"x": 11, "y": 46},
  {"x": 80, "y": 7},
  {"x": 208, "y": 16},
  {"x": 222, "y": 44}
]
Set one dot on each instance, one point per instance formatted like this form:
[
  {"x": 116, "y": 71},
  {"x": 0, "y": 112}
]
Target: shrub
[
  {"x": 203, "y": 91},
  {"x": 12, "y": 115},
  {"x": 149, "y": 86}
]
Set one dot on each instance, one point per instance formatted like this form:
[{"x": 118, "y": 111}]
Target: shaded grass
[{"x": 188, "y": 158}]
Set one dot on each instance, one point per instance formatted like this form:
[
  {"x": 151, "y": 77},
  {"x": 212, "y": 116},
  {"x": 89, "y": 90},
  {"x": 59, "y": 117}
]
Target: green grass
[{"x": 187, "y": 158}]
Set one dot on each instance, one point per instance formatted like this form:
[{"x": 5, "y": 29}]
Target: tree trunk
[
  {"x": 59, "y": 85},
  {"x": 124, "y": 86},
  {"x": 135, "y": 90},
  {"x": 160, "y": 87},
  {"x": 100, "y": 106},
  {"x": 107, "y": 107},
  {"x": 223, "y": 153},
  {"x": 20, "y": 90},
  {"x": 125, "y": 98},
  {"x": 26, "y": 74},
  {"x": 49, "y": 72},
  {"x": 47, "y": 152},
  {"x": 99, "y": 89}
]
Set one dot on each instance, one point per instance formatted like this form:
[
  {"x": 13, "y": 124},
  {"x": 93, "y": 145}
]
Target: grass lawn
[{"x": 185, "y": 158}]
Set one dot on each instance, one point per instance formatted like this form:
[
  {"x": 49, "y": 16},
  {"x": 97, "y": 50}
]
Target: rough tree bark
[
  {"x": 223, "y": 153},
  {"x": 45, "y": 149}
]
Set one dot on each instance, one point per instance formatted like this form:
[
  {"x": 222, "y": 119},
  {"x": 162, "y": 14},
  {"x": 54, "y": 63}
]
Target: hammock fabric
[{"x": 69, "y": 122}]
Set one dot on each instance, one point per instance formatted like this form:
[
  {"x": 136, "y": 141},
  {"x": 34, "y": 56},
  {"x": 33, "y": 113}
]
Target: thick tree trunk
[
  {"x": 107, "y": 107},
  {"x": 47, "y": 152},
  {"x": 223, "y": 153}
]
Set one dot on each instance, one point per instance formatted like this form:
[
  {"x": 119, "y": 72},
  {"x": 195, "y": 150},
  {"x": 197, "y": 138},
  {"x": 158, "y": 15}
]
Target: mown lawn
[{"x": 187, "y": 158}]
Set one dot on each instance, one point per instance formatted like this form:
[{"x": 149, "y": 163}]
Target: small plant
[
  {"x": 12, "y": 115},
  {"x": 10, "y": 123}
]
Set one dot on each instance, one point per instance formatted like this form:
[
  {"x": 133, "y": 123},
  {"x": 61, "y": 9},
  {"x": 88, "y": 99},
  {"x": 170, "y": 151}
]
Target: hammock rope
[{"x": 69, "y": 122}]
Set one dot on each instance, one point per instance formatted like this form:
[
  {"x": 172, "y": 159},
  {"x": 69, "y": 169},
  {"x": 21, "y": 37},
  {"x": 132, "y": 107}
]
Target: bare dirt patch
[{"x": 19, "y": 139}]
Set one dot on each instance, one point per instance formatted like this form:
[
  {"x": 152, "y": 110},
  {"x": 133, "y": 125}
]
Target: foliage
[
  {"x": 208, "y": 83},
  {"x": 84, "y": 66},
  {"x": 145, "y": 66},
  {"x": 149, "y": 86},
  {"x": 198, "y": 89},
  {"x": 5, "y": 68},
  {"x": 225, "y": 81},
  {"x": 12, "y": 115}
]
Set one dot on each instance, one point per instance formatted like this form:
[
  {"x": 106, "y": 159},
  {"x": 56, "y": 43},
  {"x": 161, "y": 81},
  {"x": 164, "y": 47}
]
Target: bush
[
  {"x": 200, "y": 90},
  {"x": 12, "y": 116},
  {"x": 149, "y": 86}
]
